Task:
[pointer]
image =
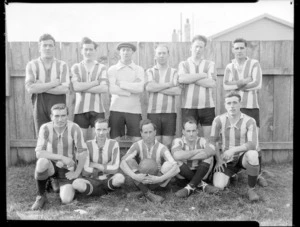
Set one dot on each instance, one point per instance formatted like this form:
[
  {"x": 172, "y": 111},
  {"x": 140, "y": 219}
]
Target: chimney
[
  {"x": 174, "y": 36},
  {"x": 187, "y": 31}
]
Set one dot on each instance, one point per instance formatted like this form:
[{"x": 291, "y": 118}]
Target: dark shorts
[
  {"x": 84, "y": 120},
  {"x": 234, "y": 166},
  {"x": 42, "y": 104},
  {"x": 165, "y": 123},
  {"x": 203, "y": 116},
  {"x": 254, "y": 113},
  {"x": 99, "y": 187},
  {"x": 59, "y": 174},
  {"x": 118, "y": 120}
]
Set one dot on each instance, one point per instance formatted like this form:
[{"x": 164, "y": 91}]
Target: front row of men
[{"x": 92, "y": 168}]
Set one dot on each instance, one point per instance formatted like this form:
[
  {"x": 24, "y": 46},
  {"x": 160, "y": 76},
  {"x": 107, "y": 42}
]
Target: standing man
[
  {"x": 199, "y": 78},
  {"x": 61, "y": 152},
  {"x": 162, "y": 87},
  {"x": 100, "y": 173},
  {"x": 47, "y": 80},
  {"x": 126, "y": 82},
  {"x": 245, "y": 75},
  {"x": 90, "y": 82},
  {"x": 239, "y": 145},
  {"x": 195, "y": 156},
  {"x": 149, "y": 148}
]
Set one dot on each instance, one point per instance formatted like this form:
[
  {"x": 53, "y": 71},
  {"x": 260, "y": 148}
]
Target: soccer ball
[{"x": 148, "y": 166}]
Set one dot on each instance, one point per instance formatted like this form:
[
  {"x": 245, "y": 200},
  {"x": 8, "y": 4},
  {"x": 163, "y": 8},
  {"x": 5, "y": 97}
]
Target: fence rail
[{"x": 275, "y": 97}]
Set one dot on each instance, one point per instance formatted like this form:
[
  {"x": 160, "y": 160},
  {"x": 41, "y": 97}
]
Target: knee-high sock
[
  {"x": 41, "y": 186},
  {"x": 186, "y": 172},
  {"x": 200, "y": 173},
  {"x": 259, "y": 161},
  {"x": 252, "y": 172}
]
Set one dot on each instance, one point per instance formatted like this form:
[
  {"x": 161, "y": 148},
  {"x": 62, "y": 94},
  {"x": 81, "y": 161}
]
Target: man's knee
[
  {"x": 118, "y": 179},
  {"x": 79, "y": 185},
  {"x": 252, "y": 157},
  {"x": 42, "y": 165},
  {"x": 67, "y": 193},
  {"x": 220, "y": 180}
]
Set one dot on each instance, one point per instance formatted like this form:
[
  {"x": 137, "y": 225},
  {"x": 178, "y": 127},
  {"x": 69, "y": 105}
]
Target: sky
[{"x": 146, "y": 22}]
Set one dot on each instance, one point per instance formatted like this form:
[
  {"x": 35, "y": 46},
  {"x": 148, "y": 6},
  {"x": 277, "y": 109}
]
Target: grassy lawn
[{"x": 274, "y": 208}]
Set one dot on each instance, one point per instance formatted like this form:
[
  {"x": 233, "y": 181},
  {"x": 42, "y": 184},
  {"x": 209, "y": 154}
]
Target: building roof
[{"x": 268, "y": 16}]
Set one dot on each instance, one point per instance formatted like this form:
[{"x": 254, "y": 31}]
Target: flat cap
[{"x": 130, "y": 45}]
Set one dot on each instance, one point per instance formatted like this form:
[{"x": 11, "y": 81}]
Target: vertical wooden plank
[
  {"x": 291, "y": 111},
  {"x": 266, "y": 156},
  {"x": 220, "y": 108},
  {"x": 253, "y": 49},
  {"x": 284, "y": 56},
  {"x": 280, "y": 156},
  {"x": 7, "y": 67},
  {"x": 20, "y": 56},
  {"x": 281, "y": 108},
  {"x": 14, "y": 156},
  {"x": 267, "y": 55},
  {"x": 34, "y": 50},
  {"x": 226, "y": 53},
  {"x": 7, "y": 137},
  {"x": 146, "y": 54},
  {"x": 12, "y": 113},
  {"x": 26, "y": 155},
  {"x": 266, "y": 104},
  {"x": 179, "y": 51}
]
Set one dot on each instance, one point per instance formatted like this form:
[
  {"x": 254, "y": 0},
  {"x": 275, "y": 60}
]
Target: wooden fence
[{"x": 275, "y": 97}]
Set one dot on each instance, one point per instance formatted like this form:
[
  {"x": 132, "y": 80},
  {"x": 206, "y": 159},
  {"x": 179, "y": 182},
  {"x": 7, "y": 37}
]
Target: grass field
[{"x": 274, "y": 208}]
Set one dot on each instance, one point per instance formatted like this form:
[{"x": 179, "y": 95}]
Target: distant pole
[
  {"x": 174, "y": 36},
  {"x": 187, "y": 31},
  {"x": 193, "y": 25},
  {"x": 180, "y": 27}
]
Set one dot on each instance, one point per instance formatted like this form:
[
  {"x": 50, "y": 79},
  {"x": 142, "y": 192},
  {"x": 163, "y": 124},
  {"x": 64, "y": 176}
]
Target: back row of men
[{"x": 47, "y": 79}]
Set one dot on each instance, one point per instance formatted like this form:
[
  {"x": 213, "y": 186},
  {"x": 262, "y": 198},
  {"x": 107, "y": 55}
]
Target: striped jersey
[
  {"x": 159, "y": 102},
  {"x": 108, "y": 156},
  {"x": 195, "y": 96},
  {"x": 251, "y": 68},
  {"x": 244, "y": 131},
  {"x": 69, "y": 143},
  {"x": 35, "y": 70},
  {"x": 158, "y": 152},
  {"x": 85, "y": 101},
  {"x": 179, "y": 144}
]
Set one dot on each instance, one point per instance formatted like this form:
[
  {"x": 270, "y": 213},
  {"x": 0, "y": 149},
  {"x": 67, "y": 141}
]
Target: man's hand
[
  {"x": 72, "y": 175},
  {"x": 95, "y": 82},
  {"x": 228, "y": 154},
  {"x": 180, "y": 79},
  {"x": 55, "y": 82},
  {"x": 219, "y": 167},
  {"x": 68, "y": 161},
  {"x": 151, "y": 179},
  {"x": 140, "y": 177}
]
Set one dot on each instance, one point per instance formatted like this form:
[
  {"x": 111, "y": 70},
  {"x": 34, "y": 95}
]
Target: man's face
[
  {"x": 46, "y": 48},
  {"x": 239, "y": 50},
  {"x": 148, "y": 133},
  {"x": 197, "y": 48},
  {"x": 126, "y": 54},
  {"x": 233, "y": 105},
  {"x": 190, "y": 131},
  {"x": 102, "y": 130},
  {"x": 161, "y": 55},
  {"x": 88, "y": 51},
  {"x": 59, "y": 118}
]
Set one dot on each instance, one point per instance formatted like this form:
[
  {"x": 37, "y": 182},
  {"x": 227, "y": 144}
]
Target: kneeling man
[
  {"x": 100, "y": 173},
  {"x": 239, "y": 145},
  {"x": 149, "y": 148},
  {"x": 59, "y": 144}
]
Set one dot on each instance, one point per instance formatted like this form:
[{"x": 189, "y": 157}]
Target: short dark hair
[
  {"x": 190, "y": 120},
  {"x": 59, "y": 106},
  {"x": 232, "y": 94},
  {"x": 201, "y": 38},
  {"x": 146, "y": 122},
  {"x": 162, "y": 45},
  {"x": 101, "y": 120},
  {"x": 239, "y": 40},
  {"x": 46, "y": 37},
  {"x": 86, "y": 40}
]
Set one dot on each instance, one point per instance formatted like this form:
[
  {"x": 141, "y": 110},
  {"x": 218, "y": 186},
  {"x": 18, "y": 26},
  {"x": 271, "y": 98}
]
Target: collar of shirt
[
  {"x": 158, "y": 68},
  {"x": 40, "y": 59},
  {"x": 83, "y": 62},
  {"x": 190, "y": 59},
  {"x": 186, "y": 144},
  {"x": 151, "y": 149},
  {"x": 121, "y": 65},
  {"x": 235, "y": 125},
  {"x": 236, "y": 64}
]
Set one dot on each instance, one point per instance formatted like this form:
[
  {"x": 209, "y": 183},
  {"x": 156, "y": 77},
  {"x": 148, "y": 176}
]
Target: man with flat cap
[{"x": 126, "y": 82}]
